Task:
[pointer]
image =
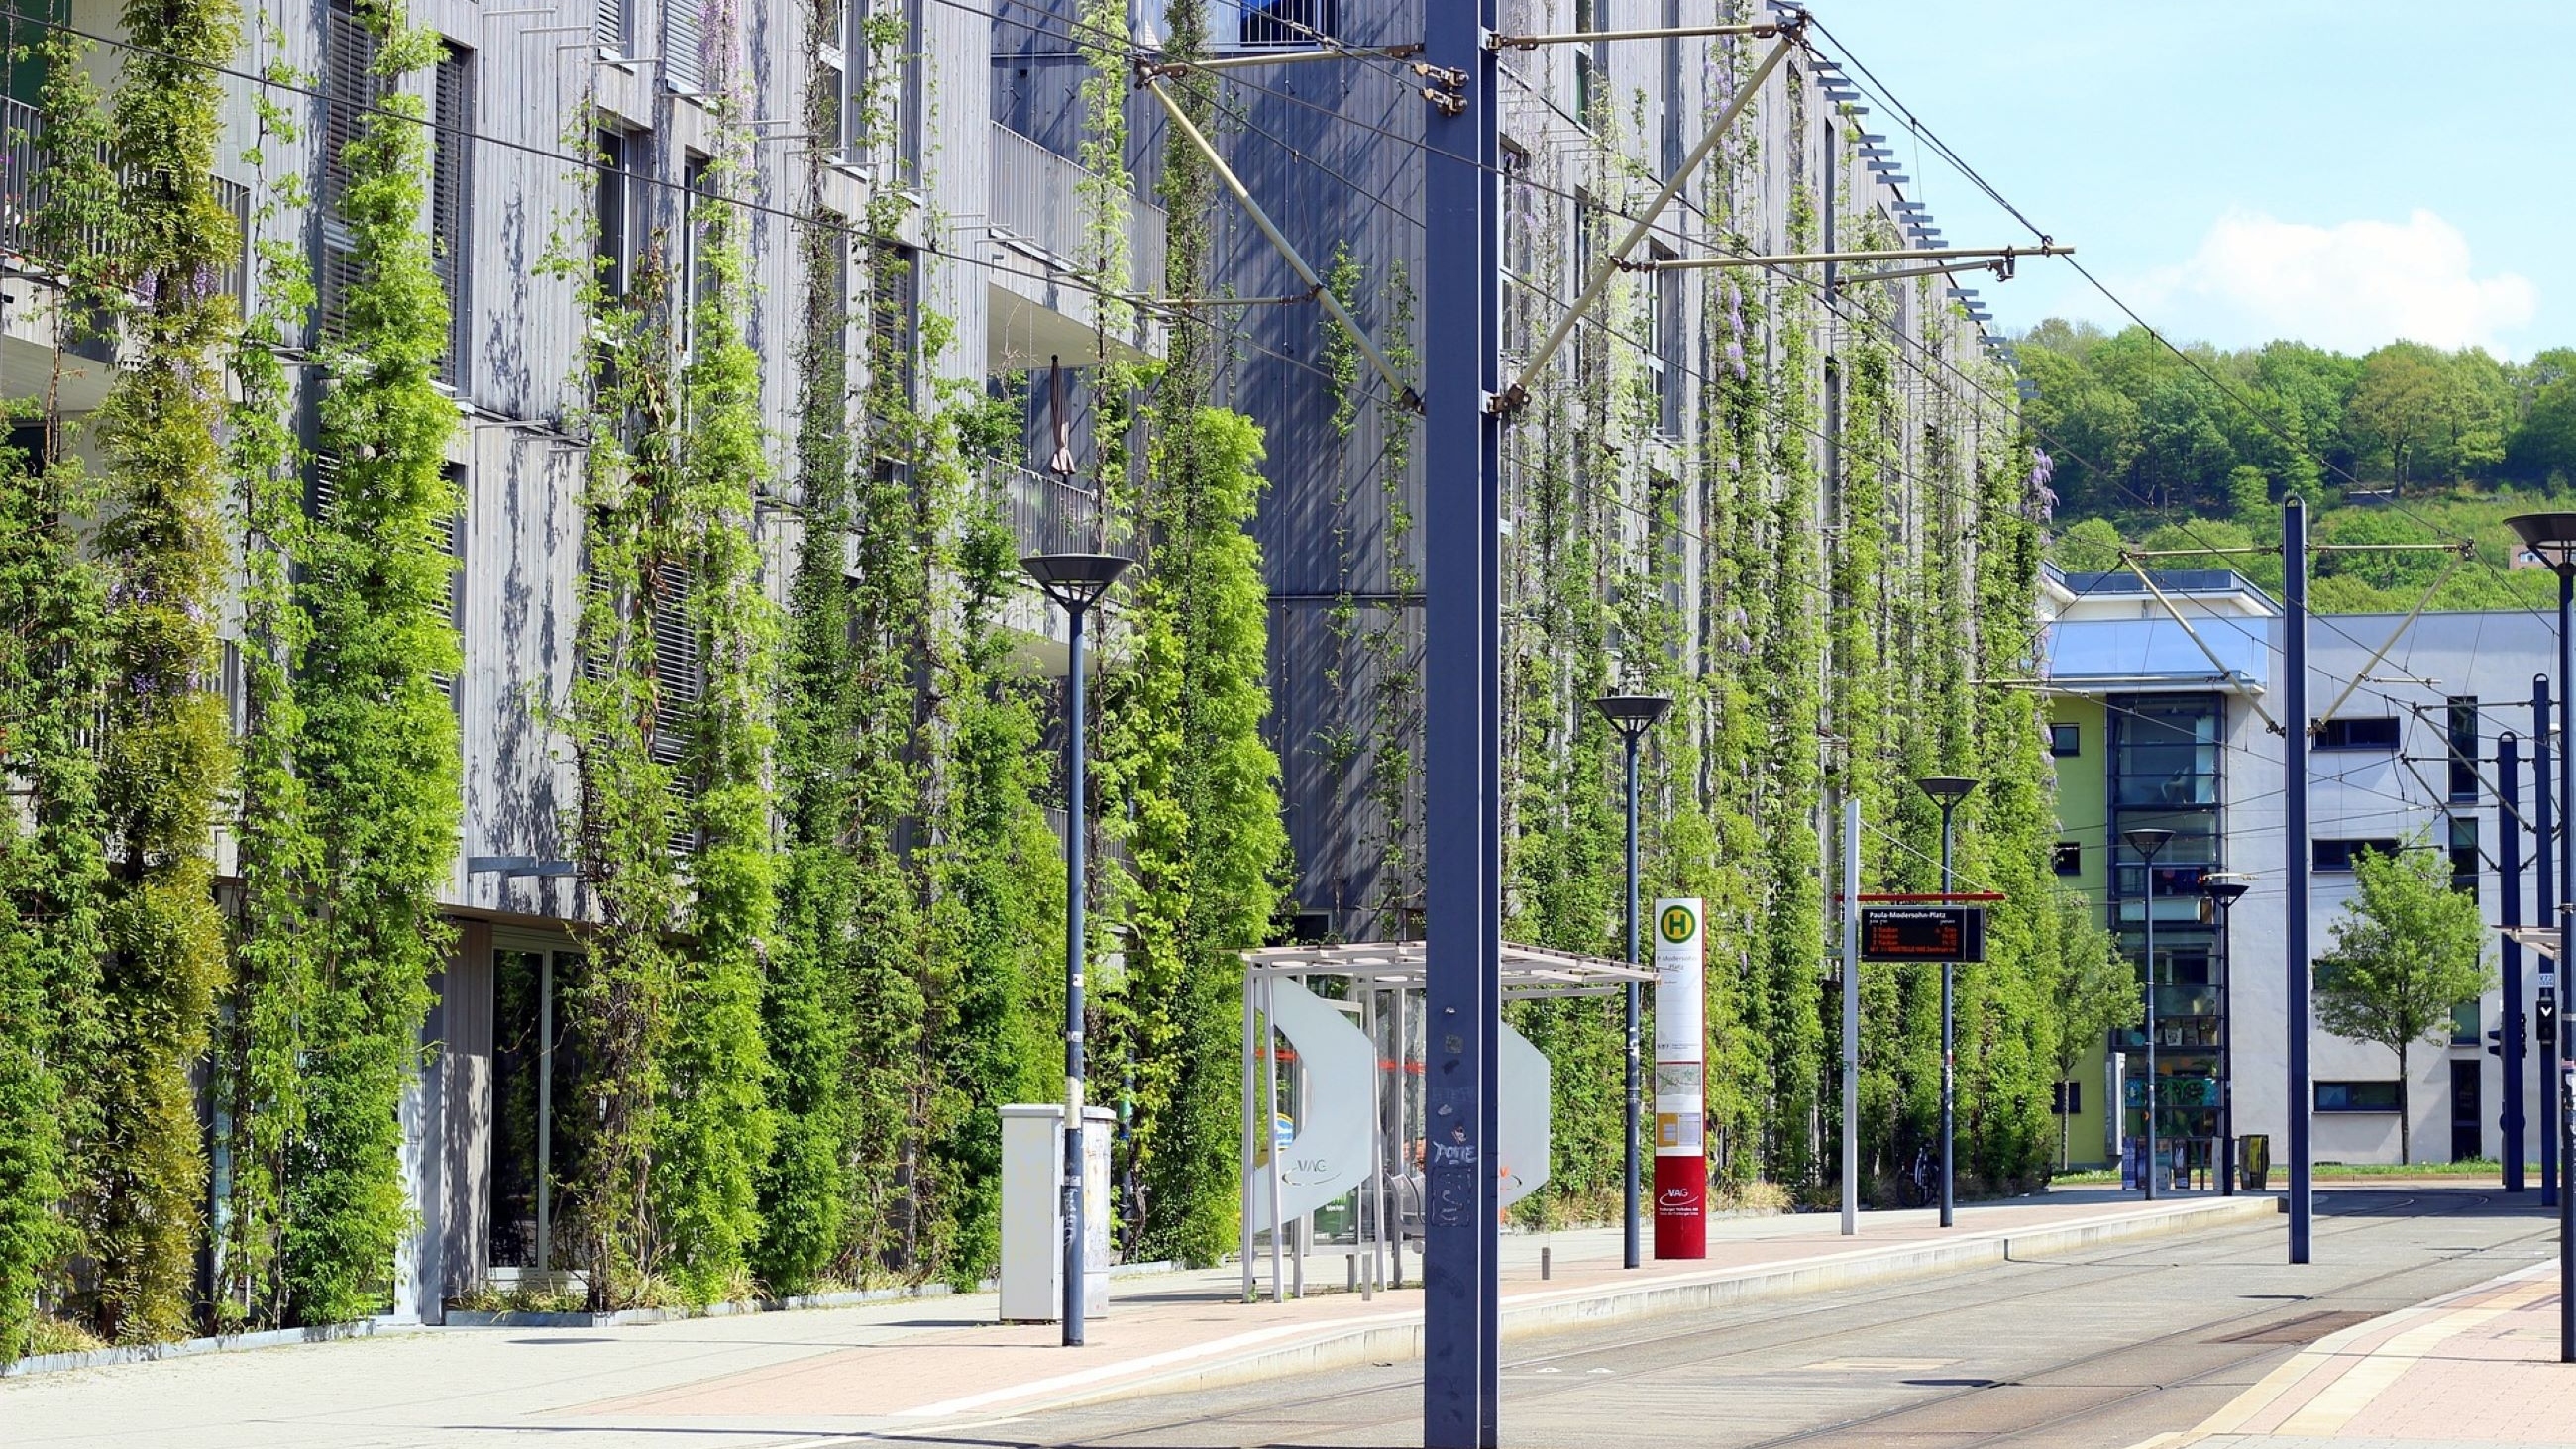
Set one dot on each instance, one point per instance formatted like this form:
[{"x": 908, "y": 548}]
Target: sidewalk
[
  {"x": 1193, "y": 1330},
  {"x": 2478, "y": 1367},
  {"x": 912, "y": 1364}
]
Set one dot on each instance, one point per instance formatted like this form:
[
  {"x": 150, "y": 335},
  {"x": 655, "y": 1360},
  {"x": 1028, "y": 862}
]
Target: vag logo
[{"x": 1678, "y": 924}]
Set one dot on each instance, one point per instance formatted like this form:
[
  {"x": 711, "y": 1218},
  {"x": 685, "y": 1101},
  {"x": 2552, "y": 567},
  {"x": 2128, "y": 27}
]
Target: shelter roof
[{"x": 1526, "y": 971}]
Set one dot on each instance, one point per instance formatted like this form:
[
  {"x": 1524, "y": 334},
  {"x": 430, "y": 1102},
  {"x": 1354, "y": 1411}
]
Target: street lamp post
[
  {"x": 1075, "y": 581},
  {"x": 2146, "y": 843},
  {"x": 1632, "y": 715},
  {"x": 2223, "y": 892},
  {"x": 1947, "y": 791},
  {"x": 2553, "y": 537}
]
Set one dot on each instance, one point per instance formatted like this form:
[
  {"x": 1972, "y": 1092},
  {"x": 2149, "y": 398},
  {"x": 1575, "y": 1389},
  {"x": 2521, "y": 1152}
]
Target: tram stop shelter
[{"x": 1332, "y": 1047}]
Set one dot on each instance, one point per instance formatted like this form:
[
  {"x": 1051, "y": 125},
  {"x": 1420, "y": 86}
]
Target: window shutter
[
  {"x": 348, "y": 88},
  {"x": 684, "y": 45},
  {"x": 611, "y": 26},
  {"x": 332, "y": 284},
  {"x": 676, "y": 687},
  {"x": 451, "y": 195}
]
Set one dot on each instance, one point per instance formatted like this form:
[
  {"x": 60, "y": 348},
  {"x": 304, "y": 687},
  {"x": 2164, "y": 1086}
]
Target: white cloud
[{"x": 2351, "y": 286}]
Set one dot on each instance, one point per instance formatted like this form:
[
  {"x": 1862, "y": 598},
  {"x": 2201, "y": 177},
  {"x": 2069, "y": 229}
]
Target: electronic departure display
[{"x": 1923, "y": 933}]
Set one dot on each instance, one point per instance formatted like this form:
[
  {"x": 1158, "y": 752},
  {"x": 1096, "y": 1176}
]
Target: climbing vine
[
  {"x": 713, "y": 1129},
  {"x": 379, "y": 743},
  {"x": 260, "y": 1051},
  {"x": 164, "y": 746}
]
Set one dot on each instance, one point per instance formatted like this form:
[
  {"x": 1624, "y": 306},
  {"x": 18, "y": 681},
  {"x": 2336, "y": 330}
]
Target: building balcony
[
  {"x": 30, "y": 280},
  {"x": 1041, "y": 297},
  {"x": 1047, "y": 513}
]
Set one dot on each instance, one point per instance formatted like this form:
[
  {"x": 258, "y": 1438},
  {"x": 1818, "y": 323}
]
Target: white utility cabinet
[{"x": 1032, "y": 1218}]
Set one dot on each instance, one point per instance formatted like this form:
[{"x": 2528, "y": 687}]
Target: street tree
[
  {"x": 2096, "y": 990},
  {"x": 2407, "y": 949}
]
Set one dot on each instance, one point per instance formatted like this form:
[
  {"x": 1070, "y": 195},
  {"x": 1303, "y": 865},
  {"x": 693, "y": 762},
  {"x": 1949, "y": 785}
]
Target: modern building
[
  {"x": 2163, "y": 715},
  {"x": 592, "y": 121}
]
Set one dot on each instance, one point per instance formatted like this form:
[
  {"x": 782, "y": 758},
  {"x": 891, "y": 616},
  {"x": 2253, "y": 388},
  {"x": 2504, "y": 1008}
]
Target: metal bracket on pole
[
  {"x": 1762, "y": 31},
  {"x": 1296, "y": 262},
  {"x": 2460, "y": 555},
  {"x": 2149, "y": 580},
  {"x": 1969, "y": 258},
  {"x": 1791, "y": 34}
]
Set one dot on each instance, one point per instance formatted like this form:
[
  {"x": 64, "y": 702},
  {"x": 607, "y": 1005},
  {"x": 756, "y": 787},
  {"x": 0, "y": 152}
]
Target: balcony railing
[
  {"x": 22, "y": 200},
  {"x": 1047, "y": 514},
  {"x": 1038, "y": 201}
]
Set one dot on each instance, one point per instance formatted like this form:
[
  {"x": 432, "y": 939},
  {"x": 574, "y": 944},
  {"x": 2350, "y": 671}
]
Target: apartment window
[
  {"x": 451, "y": 197},
  {"x": 1669, "y": 355},
  {"x": 684, "y": 45},
  {"x": 697, "y": 280},
  {"x": 910, "y": 101},
  {"x": 2375, "y": 732},
  {"x": 2165, "y": 753},
  {"x": 2464, "y": 855},
  {"x": 2070, "y": 857},
  {"x": 2066, "y": 1099},
  {"x": 2464, "y": 1024},
  {"x": 451, "y": 538},
  {"x": 349, "y": 88},
  {"x": 616, "y": 206},
  {"x": 1271, "y": 22},
  {"x": 2340, "y": 854},
  {"x": 1520, "y": 255},
  {"x": 894, "y": 314},
  {"x": 841, "y": 52},
  {"x": 613, "y": 26},
  {"x": 2065, "y": 741},
  {"x": 677, "y": 685},
  {"x": 2369, "y": 1096},
  {"x": 1591, "y": 62},
  {"x": 2463, "y": 731}
]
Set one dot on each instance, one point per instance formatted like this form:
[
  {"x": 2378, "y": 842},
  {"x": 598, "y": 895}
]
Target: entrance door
[
  {"x": 2465, "y": 1124},
  {"x": 534, "y": 1059}
]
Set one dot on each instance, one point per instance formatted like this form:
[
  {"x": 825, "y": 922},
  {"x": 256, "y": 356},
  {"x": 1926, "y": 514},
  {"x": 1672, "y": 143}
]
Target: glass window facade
[{"x": 2167, "y": 772}]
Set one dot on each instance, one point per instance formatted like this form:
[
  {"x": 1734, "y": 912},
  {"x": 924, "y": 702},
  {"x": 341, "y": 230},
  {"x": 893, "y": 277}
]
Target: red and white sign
[{"x": 1681, "y": 1054}]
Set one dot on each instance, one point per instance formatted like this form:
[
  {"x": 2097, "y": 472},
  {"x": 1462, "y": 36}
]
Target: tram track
[{"x": 1592, "y": 1367}]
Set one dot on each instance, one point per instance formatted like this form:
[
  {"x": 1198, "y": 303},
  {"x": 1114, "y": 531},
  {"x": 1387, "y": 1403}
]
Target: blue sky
[{"x": 2340, "y": 173}]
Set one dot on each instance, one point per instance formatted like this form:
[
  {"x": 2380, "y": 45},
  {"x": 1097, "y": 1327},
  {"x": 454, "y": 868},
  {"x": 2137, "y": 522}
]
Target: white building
[{"x": 2157, "y": 728}]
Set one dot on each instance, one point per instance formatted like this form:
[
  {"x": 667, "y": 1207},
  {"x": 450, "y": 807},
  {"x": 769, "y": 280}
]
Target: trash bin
[{"x": 2253, "y": 1161}]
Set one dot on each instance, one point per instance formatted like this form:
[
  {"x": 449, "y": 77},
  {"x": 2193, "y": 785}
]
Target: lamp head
[
  {"x": 2223, "y": 889},
  {"x": 1075, "y": 580},
  {"x": 2550, "y": 535},
  {"x": 2146, "y": 842},
  {"x": 1633, "y": 714},
  {"x": 1946, "y": 790}
]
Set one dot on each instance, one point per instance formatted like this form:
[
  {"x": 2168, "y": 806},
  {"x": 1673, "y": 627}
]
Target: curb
[
  {"x": 48, "y": 1363},
  {"x": 1349, "y": 1342}
]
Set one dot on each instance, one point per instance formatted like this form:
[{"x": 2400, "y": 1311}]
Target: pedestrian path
[
  {"x": 1193, "y": 1330},
  {"x": 2474, "y": 1368},
  {"x": 944, "y": 1363}
]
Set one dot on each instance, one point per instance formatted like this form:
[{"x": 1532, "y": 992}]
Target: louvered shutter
[
  {"x": 611, "y": 26},
  {"x": 348, "y": 88},
  {"x": 676, "y": 688},
  {"x": 684, "y": 45},
  {"x": 450, "y": 203}
]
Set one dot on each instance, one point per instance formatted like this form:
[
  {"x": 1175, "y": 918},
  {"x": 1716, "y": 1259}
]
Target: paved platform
[
  {"x": 2474, "y": 1368},
  {"x": 944, "y": 1364}
]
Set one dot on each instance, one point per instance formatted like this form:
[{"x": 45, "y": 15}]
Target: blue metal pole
[
  {"x": 2294, "y": 858},
  {"x": 2509, "y": 1030},
  {"x": 2544, "y": 894},
  {"x": 2562, "y": 1050},
  {"x": 1074, "y": 821},
  {"x": 1461, "y": 300},
  {"x": 1949, "y": 1048},
  {"x": 1628, "y": 1184}
]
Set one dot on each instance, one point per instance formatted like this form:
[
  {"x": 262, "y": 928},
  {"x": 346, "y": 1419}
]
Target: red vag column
[{"x": 1681, "y": 1054}]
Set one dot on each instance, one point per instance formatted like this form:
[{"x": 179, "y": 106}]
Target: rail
[{"x": 1037, "y": 198}]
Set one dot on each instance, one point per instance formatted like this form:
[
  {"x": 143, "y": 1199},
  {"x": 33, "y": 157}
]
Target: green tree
[
  {"x": 2092, "y": 546},
  {"x": 2095, "y": 988},
  {"x": 2399, "y": 401},
  {"x": 2407, "y": 949}
]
